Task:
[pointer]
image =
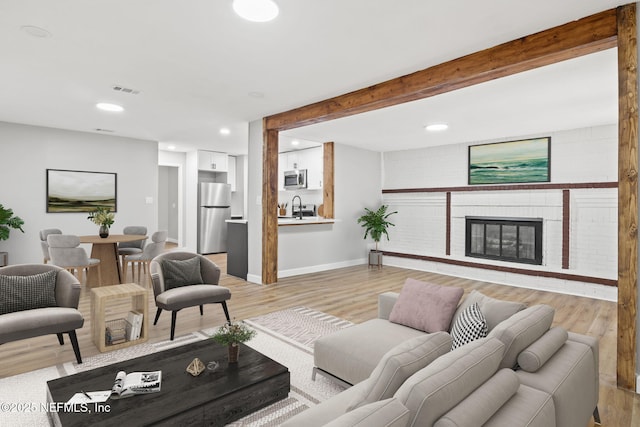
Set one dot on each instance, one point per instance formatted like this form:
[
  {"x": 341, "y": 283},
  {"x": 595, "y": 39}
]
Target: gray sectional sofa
[{"x": 523, "y": 373}]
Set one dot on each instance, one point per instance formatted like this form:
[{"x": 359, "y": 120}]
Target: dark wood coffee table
[{"x": 213, "y": 398}]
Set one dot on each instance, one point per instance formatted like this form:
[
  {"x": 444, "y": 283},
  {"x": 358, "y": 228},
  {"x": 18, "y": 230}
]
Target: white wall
[
  {"x": 177, "y": 160},
  {"x": 191, "y": 201},
  {"x": 309, "y": 248},
  {"x": 577, "y": 156},
  {"x": 168, "y": 203},
  {"x": 304, "y": 249},
  {"x": 254, "y": 202},
  {"x": 28, "y": 151},
  {"x": 239, "y": 197}
]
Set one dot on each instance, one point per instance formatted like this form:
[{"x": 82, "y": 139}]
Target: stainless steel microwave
[{"x": 295, "y": 179}]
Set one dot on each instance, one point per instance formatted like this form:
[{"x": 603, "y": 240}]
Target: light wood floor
[{"x": 350, "y": 293}]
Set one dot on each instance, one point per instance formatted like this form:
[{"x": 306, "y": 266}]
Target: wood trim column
[
  {"x": 328, "y": 180},
  {"x": 269, "y": 205},
  {"x": 627, "y": 195},
  {"x": 566, "y": 228},
  {"x": 448, "y": 233}
]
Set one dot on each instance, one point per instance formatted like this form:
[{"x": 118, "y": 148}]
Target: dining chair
[
  {"x": 131, "y": 248},
  {"x": 66, "y": 252},
  {"x": 43, "y": 242},
  {"x": 186, "y": 279},
  {"x": 150, "y": 251}
]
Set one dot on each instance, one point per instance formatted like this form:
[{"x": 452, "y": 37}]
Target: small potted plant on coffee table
[
  {"x": 375, "y": 223},
  {"x": 231, "y": 334}
]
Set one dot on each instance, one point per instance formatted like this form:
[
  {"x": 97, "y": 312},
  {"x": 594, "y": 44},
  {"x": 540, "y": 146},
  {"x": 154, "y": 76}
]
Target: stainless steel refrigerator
[{"x": 215, "y": 209}]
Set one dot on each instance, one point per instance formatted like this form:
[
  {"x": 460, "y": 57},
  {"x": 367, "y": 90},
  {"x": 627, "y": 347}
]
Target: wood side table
[{"x": 99, "y": 299}]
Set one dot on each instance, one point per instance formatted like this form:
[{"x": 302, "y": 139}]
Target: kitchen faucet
[{"x": 300, "y": 206}]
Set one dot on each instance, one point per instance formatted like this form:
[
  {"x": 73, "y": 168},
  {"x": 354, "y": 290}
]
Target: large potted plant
[
  {"x": 231, "y": 334},
  {"x": 8, "y": 221},
  {"x": 376, "y": 223}
]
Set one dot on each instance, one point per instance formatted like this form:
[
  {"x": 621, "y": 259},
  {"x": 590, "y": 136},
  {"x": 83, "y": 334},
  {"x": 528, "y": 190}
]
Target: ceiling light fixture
[
  {"x": 224, "y": 131},
  {"x": 256, "y": 10},
  {"x": 171, "y": 147},
  {"x": 113, "y": 108},
  {"x": 34, "y": 31},
  {"x": 295, "y": 142},
  {"x": 437, "y": 127}
]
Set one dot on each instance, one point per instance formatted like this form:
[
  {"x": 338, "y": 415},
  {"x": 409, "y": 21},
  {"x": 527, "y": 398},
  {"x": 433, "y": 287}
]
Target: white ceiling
[
  {"x": 199, "y": 67},
  {"x": 582, "y": 92}
]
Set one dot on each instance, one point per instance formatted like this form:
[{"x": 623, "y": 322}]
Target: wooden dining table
[{"x": 106, "y": 250}]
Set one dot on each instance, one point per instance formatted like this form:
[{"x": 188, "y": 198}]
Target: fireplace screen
[{"x": 506, "y": 239}]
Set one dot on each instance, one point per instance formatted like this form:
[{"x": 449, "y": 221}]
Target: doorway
[{"x": 169, "y": 211}]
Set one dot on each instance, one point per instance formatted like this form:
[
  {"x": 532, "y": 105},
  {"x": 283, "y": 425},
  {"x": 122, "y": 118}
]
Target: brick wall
[{"x": 577, "y": 156}]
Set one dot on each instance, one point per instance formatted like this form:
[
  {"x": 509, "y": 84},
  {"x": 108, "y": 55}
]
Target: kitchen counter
[
  {"x": 236, "y": 221},
  {"x": 307, "y": 220},
  {"x": 237, "y": 248}
]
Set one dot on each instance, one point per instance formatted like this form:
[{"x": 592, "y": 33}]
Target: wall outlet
[{"x": 148, "y": 200}]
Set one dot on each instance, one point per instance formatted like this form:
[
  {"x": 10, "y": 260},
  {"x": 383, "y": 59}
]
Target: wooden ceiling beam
[{"x": 588, "y": 35}]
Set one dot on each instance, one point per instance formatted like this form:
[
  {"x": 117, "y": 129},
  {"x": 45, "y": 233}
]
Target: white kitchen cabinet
[
  {"x": 314, "y": 164},
  {"x": 231, "y": 172},
  {"x": 292, "y": 161},
  {"x": 282, "y": 167},
  {"x": 309, "y": 159},
  {"x": 213, "y": 161}
]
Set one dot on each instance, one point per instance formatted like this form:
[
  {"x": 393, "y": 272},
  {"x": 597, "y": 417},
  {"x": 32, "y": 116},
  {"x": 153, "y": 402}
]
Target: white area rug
[{"x": 286, "y": 336}]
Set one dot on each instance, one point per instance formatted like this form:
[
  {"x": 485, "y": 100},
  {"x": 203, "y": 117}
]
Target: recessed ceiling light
[
  {"x": 256, "y": 10},
  {"x": 35, "y": 31},
  {"x": 295, "y": 142},
  {"x": 171, "y": 147},
  {"x": 224, "y": 131},
  {"x": 437, "y": 127},
  {"x": 105, "y": 106}
]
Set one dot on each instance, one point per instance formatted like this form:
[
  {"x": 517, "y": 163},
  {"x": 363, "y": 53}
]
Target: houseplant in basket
[
  {"x": 231, "y": 334},
  {"x": 376, "y": 223},
  {"x": 104, "y": 218}
]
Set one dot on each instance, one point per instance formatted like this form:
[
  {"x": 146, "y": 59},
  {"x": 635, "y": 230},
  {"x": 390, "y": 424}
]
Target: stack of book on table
[{"x": 115, "y": 333}]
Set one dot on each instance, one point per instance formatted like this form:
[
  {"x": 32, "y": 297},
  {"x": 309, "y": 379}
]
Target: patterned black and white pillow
[
  {"x": 19, "y": 293},
  {"x": 469, "y": 326}
]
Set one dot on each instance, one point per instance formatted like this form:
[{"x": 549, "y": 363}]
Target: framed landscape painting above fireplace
[
  {"x": 527, "y": 160},
  {"x": 80, "y": 191}
]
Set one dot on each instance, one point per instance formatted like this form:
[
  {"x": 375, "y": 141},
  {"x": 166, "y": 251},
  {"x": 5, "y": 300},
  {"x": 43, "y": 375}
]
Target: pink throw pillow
[{"x": 425, "y": 306}]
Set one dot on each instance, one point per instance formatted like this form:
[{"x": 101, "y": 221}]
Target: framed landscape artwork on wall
[
  {"x": 527, "y": 160},
  {"x": 80, "y": 191}
]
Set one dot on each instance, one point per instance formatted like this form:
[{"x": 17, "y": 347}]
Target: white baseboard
[
  {"x": 568, "y": 287},
  {"x": 321, "y": 267},
  {"x": 254, "y": 278}
]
